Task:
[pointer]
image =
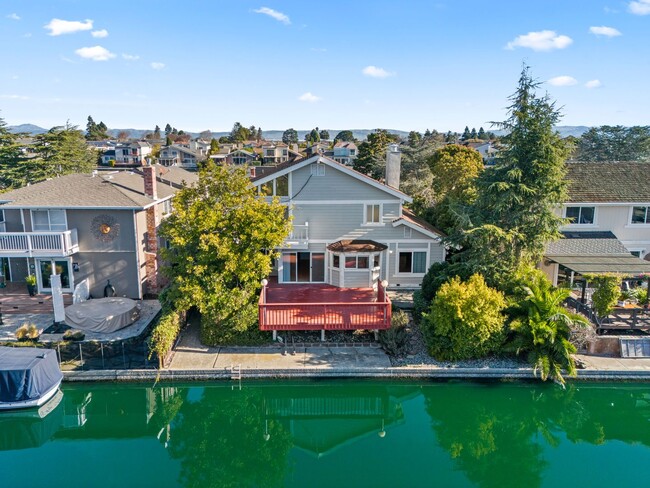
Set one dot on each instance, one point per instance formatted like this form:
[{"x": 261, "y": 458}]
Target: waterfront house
[
  {"x": 345, "y": 152},
  {"x": 351, "y": 238},
  {"x": 132, "y": 154},
  {"x": 609, "y": 221},
  {"x": 180, "y": 155},
  {"x": 89, "y": 227}
]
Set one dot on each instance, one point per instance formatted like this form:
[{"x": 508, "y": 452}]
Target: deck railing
[
  {"x": 325, "y": 315},
  {"x": 29, "y": 244},
  {"x": 299, "y": 236}
]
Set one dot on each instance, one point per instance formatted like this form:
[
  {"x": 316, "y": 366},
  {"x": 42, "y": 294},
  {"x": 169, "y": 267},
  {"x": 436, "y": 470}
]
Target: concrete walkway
[{"x": 190, "y": 354}]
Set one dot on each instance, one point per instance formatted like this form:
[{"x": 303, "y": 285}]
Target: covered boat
[{"x": 29, "y": 376}]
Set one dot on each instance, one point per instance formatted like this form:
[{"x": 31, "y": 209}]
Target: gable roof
[
  {"x": 611, "y": 181},
  {"x": 409, "y": 219},
  {"x": 122, "y": 189},
  {"x": 293, "y": 165}
]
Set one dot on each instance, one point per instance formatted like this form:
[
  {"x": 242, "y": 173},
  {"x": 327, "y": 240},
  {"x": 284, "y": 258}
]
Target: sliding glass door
[{"x": 303, "y": 267}]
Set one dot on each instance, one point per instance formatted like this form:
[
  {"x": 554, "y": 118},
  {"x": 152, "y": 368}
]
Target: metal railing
[{"x": 29, "y": 244}]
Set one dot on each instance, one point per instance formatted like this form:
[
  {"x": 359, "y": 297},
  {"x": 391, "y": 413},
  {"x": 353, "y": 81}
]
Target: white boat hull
[{"x": 36, "y": 402}]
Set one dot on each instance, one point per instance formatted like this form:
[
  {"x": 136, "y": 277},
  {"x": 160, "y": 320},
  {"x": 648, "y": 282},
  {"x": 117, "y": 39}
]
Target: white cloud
[
  {"x": 279, "y": 16},
  {"x": 58, "y": 26},
  {"x": 130, "y": 57},
  {"x": 309, "y": 97},
  {"x": 545, "y": 40},
  {"x": 13, "y": 16},
  {"x": 605, "y": 31},
  {"x": 640, "y": 7},
  {"x": 157, "y": 66},
  {"x": 593, "y": 84},
  {"x": 99, "y": 33},
  {"x": 563, "y": 81},
  {"x": 15, "y": 97},
  {"x": 96, "y": 53},
  {"x": 376, "y": 72}
]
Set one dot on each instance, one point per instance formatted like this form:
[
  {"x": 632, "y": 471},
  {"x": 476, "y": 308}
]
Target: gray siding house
[
  {"x": 89, "y": 227},
  {"x": 349, "y": 230}
]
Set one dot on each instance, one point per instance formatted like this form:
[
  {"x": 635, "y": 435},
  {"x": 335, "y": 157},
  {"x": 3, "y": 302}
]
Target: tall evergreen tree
[
  {"x": 514, "y": 215},
  {"x": 156, "y": 132},
  {"x": 11, "y": 158},
  {"x": 473, "y": 134},
  {"x": 466, "y": 134},
  {"x": 482, "y": 135},
  {"x": 168, "y": 130}
]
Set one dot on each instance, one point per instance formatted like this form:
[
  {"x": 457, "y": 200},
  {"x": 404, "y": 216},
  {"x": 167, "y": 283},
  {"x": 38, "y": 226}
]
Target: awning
[
  {"x": 617, "y": 263},
  {"x": 358, "y": 245}
]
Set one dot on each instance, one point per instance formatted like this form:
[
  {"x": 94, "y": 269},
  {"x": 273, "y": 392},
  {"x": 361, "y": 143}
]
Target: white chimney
[{"x": 393, "y": 165}]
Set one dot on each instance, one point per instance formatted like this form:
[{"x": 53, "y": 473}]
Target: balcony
[
  {"x": 38, "y": 244},
  {"x": 299, "y": 237}
]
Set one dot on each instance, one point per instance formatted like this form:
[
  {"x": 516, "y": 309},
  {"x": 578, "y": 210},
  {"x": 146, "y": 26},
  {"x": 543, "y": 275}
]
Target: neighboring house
[
  {"x": 89, "y": 227},
  {"x": 177, "y": 155},
  {"x": 239, "y": 157},
  {"x": 349, "y": 230},
  {"x": 108, "y": 156},
  {"x": 345, "y": 153},
  {"x": 486, "y": 149},
  {"x": 609, "y": 229},
  {"x": 133, "y": 153},
  {"x": 275, "y": 153}
]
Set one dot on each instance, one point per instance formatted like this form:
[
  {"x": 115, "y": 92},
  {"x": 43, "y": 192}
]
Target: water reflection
[{"x": 282, "y": 433}]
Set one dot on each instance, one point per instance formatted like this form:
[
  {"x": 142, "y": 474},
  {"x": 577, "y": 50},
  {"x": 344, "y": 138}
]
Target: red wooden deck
[{"x": 322, "y": 307}]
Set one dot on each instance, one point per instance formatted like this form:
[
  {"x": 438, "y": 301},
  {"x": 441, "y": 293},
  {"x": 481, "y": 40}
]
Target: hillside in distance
[{"x": 276, "y": 135}]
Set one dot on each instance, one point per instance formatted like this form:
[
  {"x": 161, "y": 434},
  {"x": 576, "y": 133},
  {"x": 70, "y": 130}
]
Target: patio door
[
  {"x": 303, "y": 267},
  {"x": 48, "y": 267}
]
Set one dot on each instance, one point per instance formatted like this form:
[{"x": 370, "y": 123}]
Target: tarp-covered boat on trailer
[{"x": 29, "y": 376}]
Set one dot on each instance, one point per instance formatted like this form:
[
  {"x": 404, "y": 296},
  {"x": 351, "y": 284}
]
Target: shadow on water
[{"x": 264, "y": 434}]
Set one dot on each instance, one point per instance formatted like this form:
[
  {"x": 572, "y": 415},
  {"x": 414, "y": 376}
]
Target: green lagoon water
[{"x": 333, "y": 433}]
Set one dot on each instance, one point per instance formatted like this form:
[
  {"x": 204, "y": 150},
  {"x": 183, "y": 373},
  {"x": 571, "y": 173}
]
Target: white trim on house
[
  {"x": 426, "y": 232},
  {"x": 49, "y": 220},
  {"x": 399, "y": 249},
  {"x": 578, "y": 225},
  {"x": 605, "y": 204},
  {"x": 338, "y": 166},
  {"x": 364, "y": 218}
]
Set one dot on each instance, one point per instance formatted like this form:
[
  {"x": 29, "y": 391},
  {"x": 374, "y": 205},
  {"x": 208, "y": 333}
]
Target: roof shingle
[{"x": 608, "y": 182}]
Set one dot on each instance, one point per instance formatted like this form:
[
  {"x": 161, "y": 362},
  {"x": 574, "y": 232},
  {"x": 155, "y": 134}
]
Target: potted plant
[{"x": 31, "y": 285}]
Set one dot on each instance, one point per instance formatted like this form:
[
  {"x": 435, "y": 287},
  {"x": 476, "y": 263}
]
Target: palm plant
[{"x": 542, "y": 330}]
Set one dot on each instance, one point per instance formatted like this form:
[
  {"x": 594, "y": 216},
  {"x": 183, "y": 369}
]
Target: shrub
[
  {"x": 30, "y": 280},
  {"x": 73, "y": 335},
  {"x": 27, "y": 332},
  {"x": 395, "y": 340},
  {"x": 465, "y": 320},
  {"x": 608, "y": 291},
  {"x": 641, "y": 295},
  {"x": 164, "y": 334},
  {"x": 420, "y": 306}
]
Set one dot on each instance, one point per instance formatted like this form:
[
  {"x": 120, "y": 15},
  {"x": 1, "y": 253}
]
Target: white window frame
[
  {"x": 317, "y": 169},
  {"x": 426, "y": 261},
  {"x": 577, "y": 223},
  {"x": 49, "y": 220},
  {"x": 647, "y": 217},
  {"x": 381, "y": 214}
]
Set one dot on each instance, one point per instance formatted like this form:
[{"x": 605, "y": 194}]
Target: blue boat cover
[{"x": 27, "y": 373}]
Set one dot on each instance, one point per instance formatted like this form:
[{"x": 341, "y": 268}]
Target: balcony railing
[
  {"x": 299, "y": 237},
  {"x": 325, "y": 316},
  {"x": 38, "y": 244}
]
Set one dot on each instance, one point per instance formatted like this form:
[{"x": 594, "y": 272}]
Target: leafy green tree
[
  {"x": 168, "y": 141},
  {"x": 313, "y": 136},
  {"x": 260, "y": 134},
  {"x": 168, "y": 130},
  {"x": 607, "y": 293},
  {"x": 465, "y": 321},
  {"x": 371, "y": 159},
  {"x": 614, "y": 143},
  {"x": 324, "y": 135},
  {"x": 344, "y": 136},
  {"x": 466, "y": 134},
  {"x": 217, "y": 233},
  {"x": 542, "y": 329},
  {"x": 290, "y": 136},
  {"x": 514, "y": 215},
  {"x": 156, "y": 133},
  {"x": 455, "y": 170},
  {"x": 451, "y": 137},
  {"x": 11, "y": 159},
  {"x": 214, "y": 147}
]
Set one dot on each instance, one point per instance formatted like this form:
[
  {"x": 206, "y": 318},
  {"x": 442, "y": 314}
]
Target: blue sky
[{"x": 355, "y": 64}]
